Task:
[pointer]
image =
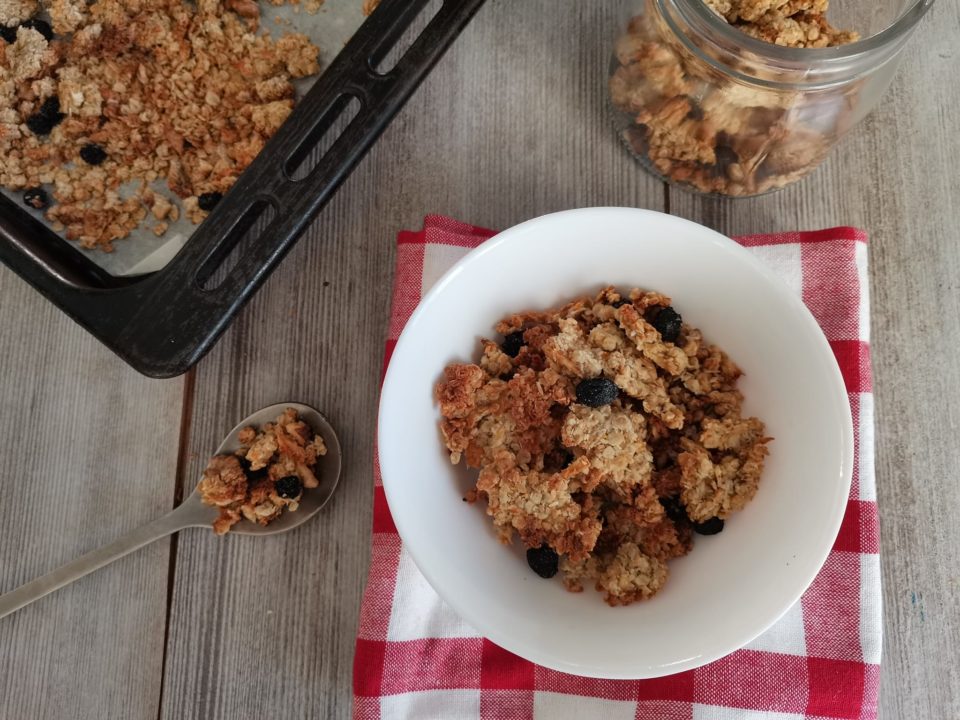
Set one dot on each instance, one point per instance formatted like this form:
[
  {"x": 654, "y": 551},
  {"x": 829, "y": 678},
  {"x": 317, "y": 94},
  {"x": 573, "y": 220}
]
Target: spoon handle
[{"x": 181, "y": 517}]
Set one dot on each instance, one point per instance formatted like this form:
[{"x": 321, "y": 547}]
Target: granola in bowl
[
  {"x": 606, "y": 433},
  {"x": 266, "y": 476}
]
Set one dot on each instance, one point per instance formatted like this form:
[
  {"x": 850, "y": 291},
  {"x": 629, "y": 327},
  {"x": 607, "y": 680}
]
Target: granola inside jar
[{"x": 742, "y": 97}]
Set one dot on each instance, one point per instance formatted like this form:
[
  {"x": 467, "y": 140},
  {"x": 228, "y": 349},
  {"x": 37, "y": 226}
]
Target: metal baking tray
[{"x": 164, "y": 322}]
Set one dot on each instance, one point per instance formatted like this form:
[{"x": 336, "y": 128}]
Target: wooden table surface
[{"x": 510, "y": 125}]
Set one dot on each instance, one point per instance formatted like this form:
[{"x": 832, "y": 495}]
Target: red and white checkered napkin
[{"x": 416, "y": 659}]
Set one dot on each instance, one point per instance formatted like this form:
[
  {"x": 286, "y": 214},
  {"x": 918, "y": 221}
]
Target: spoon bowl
[{"x": 327, "y": 470}]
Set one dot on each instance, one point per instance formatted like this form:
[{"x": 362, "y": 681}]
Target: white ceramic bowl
[{"x": 734, "y": 585}]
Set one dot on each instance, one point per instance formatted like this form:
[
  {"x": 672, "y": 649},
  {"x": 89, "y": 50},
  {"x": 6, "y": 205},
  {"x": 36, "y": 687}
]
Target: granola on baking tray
[
  {"x": 267, "y": 475},
  {"x": 606, "y": 433},
  {"x": 698, "y": 126},
  {"x": 108, "y": 96}
]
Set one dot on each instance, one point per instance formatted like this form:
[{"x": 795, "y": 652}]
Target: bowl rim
[{"x": 839, "y": 390}]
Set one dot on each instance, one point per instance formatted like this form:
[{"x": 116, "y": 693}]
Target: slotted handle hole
[
  {"x": 244, "y": 234},
  {"x": 311, "y": 150},
  {"x": 387, "y": 57}
]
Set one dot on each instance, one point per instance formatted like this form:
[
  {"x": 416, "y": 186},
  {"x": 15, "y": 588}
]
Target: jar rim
[{"x": 892, "y": 35}]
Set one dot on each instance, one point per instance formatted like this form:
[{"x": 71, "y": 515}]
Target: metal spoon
[{"x": 193, "y": 513}]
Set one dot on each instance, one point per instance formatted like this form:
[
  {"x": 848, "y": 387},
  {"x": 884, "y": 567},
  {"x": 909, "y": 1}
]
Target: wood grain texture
[
  {"x": 512, "y": 123},
  {"x": 89, "y": 451},
  {"x": 896, "y": 176}
]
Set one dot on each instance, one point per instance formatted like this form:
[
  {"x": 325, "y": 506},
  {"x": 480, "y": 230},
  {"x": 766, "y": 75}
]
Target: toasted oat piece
[
  {"x": 262, "y": 449},
  {"x": 674, "y": 132},
  {"x": 568, "y": 351},
  {"x": 457, "y": 393},
  {"x": 576, "y": 573},
  {"x": 613, "y": 440},
  {"x": 660, "y": 538},
  {"x": 630, "y": 575},
  {"x": 755, "y": 10},
  {"x": 607, "y": 336},
  {"x": 803, "y": 30},
  {"x": 483, "y": 414},
  {"x": 495, "y": 362},
  {"x": 731, "y": 433},
  {"x": 712, "y": 489},
  {"x": 66, "y": 16},
  {"x": 539, "y": 506},
  {"x": 650, "y": 71},
  {"x": 15, "y": 11},
  {"x": 264, "y": 504},
  {"x": 709, "y": 369},
  {"x": 666, "y": 355},
  {"x": 27, "y": 55},
  {"x": 638, "y": 377},
  {"x": 223, "y": 482}
]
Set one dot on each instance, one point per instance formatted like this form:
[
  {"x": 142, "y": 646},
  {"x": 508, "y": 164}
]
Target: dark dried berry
[
  {"x": 621, "y": 302},
  {"x": 674, "y": 509},
  {"x": 39, "y": 124},
  {"x": 543, "y": 560},
  {"x": 557, "y": 459},
  {"x": 51, "y": 107},
  {"x": 36, "y": 198},
  {"x": 93, "y": 154},
  {"x": 208, "y": 201},
  {"x": 667, "y": 321},
  {"x": 252, "y": 475},
  {"x": 695, "y": 112},
  {"x": 710, "y": 527},
  {"x": 596, "y": 392},
  {"x": 47, "y": 117},
  {"x": 512, "y": 343},
  {"x": 41, "y": 26},
  {"x": 9, "y": 33},
  {"x": 288, "y": 487},
  {"x": 726, "y": 156}
]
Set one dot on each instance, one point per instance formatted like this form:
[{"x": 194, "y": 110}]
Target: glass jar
[{"x": 705, "y": 105}]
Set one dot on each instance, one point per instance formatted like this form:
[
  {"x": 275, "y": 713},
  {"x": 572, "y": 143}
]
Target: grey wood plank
[
  {"x": 266, "y": 627},
  {"x": 511, "y": 125},
  {"x": 896, "y": 177},
  {"x": 89, "y": 451}
]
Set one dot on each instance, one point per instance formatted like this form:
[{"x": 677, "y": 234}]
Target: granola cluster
[
  {"x": 696, "y": 126},
  {"x": 605, "y": 432},
  {"x": 111, "y": 95},
  {"x": 793, "y": 23},
  {"x": 266, "y": 476}
]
